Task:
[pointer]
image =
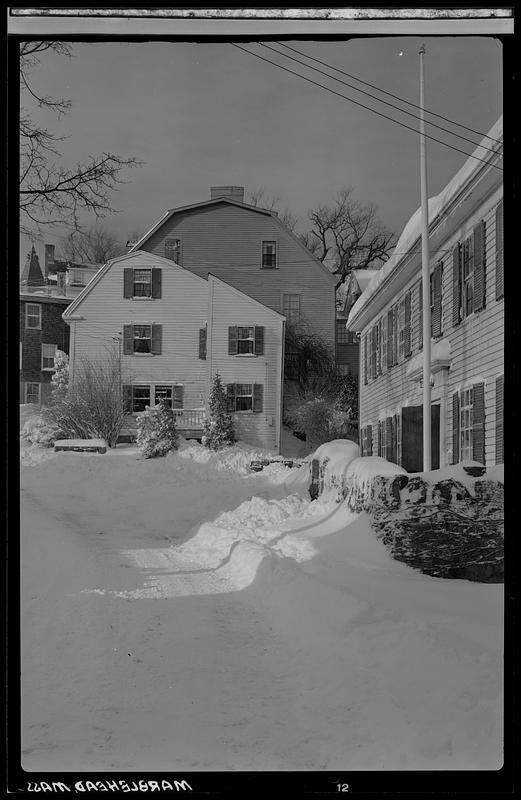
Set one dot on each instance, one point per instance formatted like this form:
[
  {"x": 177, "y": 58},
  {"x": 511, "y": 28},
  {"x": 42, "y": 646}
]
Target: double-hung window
[
  {"x": 140, "y": 398},
  {"x": 142, "y": 283},
  {"x": 48, "y": 352},
  {"x": 269, "y": 255},
  {"x": 173, "y": 250},
  {"x": 142, "y": 338},
  {"x": 245, "y": 340},
  {"x": 343, "y": 336},
  {"x": 291, "y": 307},
  {"x": 33, "y": 316},
  {"x": 32, "y": 393},
  {"x": 243, "y": 396}
]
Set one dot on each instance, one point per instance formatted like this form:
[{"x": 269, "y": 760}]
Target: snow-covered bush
[
  {"x": 60, "y": 378},
  {"x": 218, "y": 427},
  {"x": 41, "y": 431},
  {"x": 93, "y": 405},
  {"x": 156, "y": 431}
]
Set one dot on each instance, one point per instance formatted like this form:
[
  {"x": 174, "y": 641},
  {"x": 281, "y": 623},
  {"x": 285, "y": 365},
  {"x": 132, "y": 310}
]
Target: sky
[{"x": 200, "y": 114}]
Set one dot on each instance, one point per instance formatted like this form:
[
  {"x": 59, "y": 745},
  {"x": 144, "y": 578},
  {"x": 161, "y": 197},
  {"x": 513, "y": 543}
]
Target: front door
[{"x": 412, "y": 438}]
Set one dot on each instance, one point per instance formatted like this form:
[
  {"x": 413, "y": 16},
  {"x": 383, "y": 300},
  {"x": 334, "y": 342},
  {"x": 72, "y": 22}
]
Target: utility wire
[
  {"x": 390, "y": 94},
  {"x": 378, "y": 99},
  {"x": 350, "y": 99}
]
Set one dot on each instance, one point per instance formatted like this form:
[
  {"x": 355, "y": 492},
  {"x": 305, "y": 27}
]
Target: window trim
[
  {"x": 33, "y": 383},
  {"x": 43, "y": 357},
  {"x": 276, "y": 243},
  {"x": 27, "y": 315},
  {"x": 149, "y": 338},
  {"x": 288, "y": 293},
  {"x": 175, "y": 239}
]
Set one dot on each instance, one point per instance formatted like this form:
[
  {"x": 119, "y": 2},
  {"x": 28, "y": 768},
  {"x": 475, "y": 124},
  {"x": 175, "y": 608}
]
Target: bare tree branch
[
  {"x": 260, "y": 199},
  {"x": 51, "y": 193},
  {"x": 351, "y": 232}
]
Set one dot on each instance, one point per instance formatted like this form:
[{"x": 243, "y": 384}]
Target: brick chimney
[
  {"x": 231, "y": 192},
  {"x": 49, "y": 258}
]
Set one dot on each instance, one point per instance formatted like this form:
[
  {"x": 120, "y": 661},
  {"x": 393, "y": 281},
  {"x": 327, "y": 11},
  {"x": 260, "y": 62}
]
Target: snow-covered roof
[{"x": 436, "y": 205}]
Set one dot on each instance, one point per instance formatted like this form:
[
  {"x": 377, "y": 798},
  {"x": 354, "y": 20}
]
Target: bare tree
[
  {"x": 350, "y": 235},
  {"x": 96, "y": 245},
  {"x": 260, "y": 199},
  {"x": 51, "y": 193}
]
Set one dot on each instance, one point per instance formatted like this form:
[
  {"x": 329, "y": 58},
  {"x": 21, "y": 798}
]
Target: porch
[{"x": 189, "y": 423}]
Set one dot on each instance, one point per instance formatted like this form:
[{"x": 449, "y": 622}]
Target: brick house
[
  {"x": 467, "y": 325},
  {"x": 41, "y": 331}
]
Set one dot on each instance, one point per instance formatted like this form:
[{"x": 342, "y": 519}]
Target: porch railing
[{"x": 187, "y": 418}]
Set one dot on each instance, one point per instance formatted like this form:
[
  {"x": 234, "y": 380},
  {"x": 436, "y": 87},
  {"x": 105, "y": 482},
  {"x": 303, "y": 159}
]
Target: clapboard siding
[
  {"x": 232, "y": 308},
  {"x": 181, "y": 310},
  {"x": 476, "y": 344},
  {"x": 226, "y": 240}
]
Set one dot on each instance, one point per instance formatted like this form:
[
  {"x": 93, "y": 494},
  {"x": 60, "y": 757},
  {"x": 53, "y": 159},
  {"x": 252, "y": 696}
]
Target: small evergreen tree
[
  {"x": 156, "y": 431},
  {"x": 60, "y": 378},
  {"x": 218, "y": 427}
]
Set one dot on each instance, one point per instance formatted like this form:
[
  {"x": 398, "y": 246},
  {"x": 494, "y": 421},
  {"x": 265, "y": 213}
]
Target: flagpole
[{"x": 425, "y": 279}]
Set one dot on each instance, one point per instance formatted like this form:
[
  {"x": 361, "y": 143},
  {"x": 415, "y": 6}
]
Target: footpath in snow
[{"x": 184, "y": 613}]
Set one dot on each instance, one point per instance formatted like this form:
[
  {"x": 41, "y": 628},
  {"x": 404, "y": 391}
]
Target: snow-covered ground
[{"x": 184, "y": 613}]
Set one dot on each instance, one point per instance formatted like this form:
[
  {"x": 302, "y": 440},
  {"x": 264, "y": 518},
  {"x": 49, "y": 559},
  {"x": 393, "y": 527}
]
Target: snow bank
[
  {"x": 27, "y": 410},
  {"x": 235, "y": 459},
  {"x": 333, "y": 459}
]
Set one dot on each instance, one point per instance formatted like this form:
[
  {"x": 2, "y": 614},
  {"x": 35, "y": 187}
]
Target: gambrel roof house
[
  {"x": 467, "y": 320},
  {"x": 174, "y": 331},
  {"x": 251, "y": 249}
]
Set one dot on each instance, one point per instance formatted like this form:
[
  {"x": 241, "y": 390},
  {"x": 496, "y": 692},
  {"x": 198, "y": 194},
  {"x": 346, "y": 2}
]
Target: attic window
[
  {"x": 269, "y": 255},
  {"x": 173, "y": 250},
  {"x": 142, "y": 283}
]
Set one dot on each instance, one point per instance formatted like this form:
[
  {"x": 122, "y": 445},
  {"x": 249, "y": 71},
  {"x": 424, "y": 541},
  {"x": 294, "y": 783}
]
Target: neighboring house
[
  {"x": 347, "y": 342},
  {"x": 174, "y": 331},
  {"x": 42, "y": 332},
  {"x": 58, "y": 278},
  {"x": 251, "y": 249},
  {"x": 466, "y": 289}
]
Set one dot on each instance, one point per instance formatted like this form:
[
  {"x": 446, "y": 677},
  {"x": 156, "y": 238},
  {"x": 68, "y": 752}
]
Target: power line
[
  {"x": 390, "y": 94},
  {"x": 378, "y": 99},
  {"x": 350, "y": 99}
]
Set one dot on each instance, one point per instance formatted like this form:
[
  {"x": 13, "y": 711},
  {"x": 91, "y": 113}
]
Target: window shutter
[
  {"x": 373, "y": 352},
  {"x": 258, "y": 391},
  {"x": 478, "y": 422},
  {"x": 500, "y": 291},
  {"x": 479, "y": 266},
  {"x": 456, "y": 284},
  {"x": 156, "y": 339},
  {"x": 369, "y": 440},
  {"x": 455, "y": 428},
  {"x": 259, "y": 340},
  {"x": 128, "y": 282},
  {"x": 420, "y": 315},
  {"x": 499, "y": 420},
  {"x": 389, "y": 439},
  {"x": 232, "y": 340},
  {"x": 366, "y": 339},
  {"x": 394, "y": 437},
  {"x": 230, "y": 397},
  {"x": 178, "y": 396},
  {"x": 127, "y": 399},
  {"x": 156, "y": 282},
  {"x": 390, "y": 338},
  {"x": 407, "y": 332},
  {"x": 202, "y": 343},
  {"x": 437, "y": 290},
  {"x": 128, "y": 340}
]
